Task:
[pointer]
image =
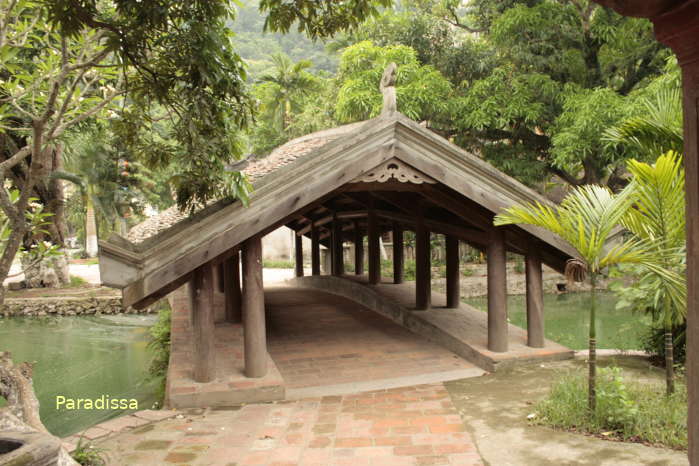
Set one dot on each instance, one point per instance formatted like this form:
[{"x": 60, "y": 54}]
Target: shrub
[
  {"x": 77, "y": 282},
  {"x": 653, "y": 343},
  {"x": 160, "y": 345},
  {"x": 270, "y": 264},
  {"x": 625, "y": 410}
]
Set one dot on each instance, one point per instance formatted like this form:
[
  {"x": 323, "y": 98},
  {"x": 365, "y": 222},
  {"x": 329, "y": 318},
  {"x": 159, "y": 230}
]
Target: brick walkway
[
  {"x": 407, "y": 426},
  {"x": 319, "y": 339}
]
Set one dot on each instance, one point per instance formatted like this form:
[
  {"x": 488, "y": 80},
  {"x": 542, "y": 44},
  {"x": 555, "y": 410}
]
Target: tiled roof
[{"x": 257, "y": 169}]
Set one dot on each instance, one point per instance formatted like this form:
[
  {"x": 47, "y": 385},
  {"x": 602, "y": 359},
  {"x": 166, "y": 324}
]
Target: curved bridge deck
[{"x": 330, "y": 336}]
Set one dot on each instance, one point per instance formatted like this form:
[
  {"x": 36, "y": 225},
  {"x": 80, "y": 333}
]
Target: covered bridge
[{"x": 336, "y": 186}]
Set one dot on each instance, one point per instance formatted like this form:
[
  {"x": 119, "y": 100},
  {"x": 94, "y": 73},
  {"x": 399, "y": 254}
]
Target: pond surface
[
  {"x": 82, "y": 357},
  {"x": 566, "y": 320}
]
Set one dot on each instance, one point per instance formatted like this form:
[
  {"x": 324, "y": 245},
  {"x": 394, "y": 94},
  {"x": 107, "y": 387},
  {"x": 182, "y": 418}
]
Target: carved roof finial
[{"x": 388, "y": 89}]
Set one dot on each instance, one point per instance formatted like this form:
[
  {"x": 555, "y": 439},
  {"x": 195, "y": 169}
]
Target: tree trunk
[
  {"x": 17, "y": 388},
  {"x": 669, "y": 360},
  {"x": 90, "y": 226},
  {"x": 592, "y": 359}
]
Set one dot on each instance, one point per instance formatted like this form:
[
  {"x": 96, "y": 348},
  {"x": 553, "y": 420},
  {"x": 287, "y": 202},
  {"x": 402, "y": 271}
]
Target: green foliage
[
  {"x": 278, "y": 264},
  {"x": 653, "y": 343},
  {"x": 422, "y": 91},
  {"x": 87, "y": 454},
  {"x": 318, "y": 18},
  {"x": 77, "y": 282},
  {"x": 626, "y": 410},
  {"x": 160, "y": 346}
]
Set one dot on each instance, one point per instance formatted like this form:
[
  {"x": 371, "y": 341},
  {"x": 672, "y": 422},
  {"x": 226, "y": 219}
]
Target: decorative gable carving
[{"x": 394, "y": 169}]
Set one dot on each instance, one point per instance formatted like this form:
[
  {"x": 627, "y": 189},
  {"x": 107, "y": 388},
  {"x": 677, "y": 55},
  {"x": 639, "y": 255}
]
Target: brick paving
[
  {"x": 416, "y": 425},
  {"x": 316, "y": 338}
]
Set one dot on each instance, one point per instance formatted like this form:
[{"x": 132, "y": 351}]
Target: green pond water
[
  {"x": 82, "y": 357},
  {"x": 566, "y": 320}
]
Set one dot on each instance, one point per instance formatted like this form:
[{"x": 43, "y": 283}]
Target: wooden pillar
[
  {"x": 231, "y": 279},
  {"x": 219, "y": 278},
  {"x": 497, "y": 292},
  {"x": 298, "y": 252},
  {"x": 254, "y": 309},
  {"x": 453, "y": 273},
  {"x": 374, "y": 249},
  {"x": 338, "y": 262},
  {"x": 315, "y": 251},
  {"x": 358, "y": 249},
  {"x": 202, "y": 299},
  {"x": 535, "y": 301},
  {"x": 398, "y": 254},
  {"x": 423, "y": 265}
]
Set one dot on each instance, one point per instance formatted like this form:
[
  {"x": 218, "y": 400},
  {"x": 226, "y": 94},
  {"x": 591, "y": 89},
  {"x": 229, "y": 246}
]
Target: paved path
[
  {"x": 407, "y": 426},
  {"x": 318, "y": 339}
]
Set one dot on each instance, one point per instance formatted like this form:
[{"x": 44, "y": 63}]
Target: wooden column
[
  {"x": 374, "y": 249},
  {"x": 453, "y": 273},
  {"x": 398, "y": 253},
  {"x": 219, "y": 278},
  {"x": 298, "y": 252},
  {"x": 315, "y": 251},
  {"x": 202, "y": 299},
  {"x": 231, "y": 279},
  {"x": 254, "y": 309},
  {"x": 338, "y": 262},
  {"x": 535, "y": 301},
  {"x": 358, "y": 249},
  {"x": 423, "y": 265},
  {"x": 497, "y": 292}
]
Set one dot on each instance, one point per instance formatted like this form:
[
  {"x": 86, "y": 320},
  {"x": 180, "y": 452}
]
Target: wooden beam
[
  {"x": 535, "y": 301},
  {"x": 497, "y": 292},
  {"x": 453, "y": 272},
  {"x": 233, "y": 296},
  {"x": 374, "y": 249},
  {"x": 254, "y": 309},
  {"x": 423, "y": 266},
  {"x": 315, "y": 251},
  {"x": 358, "y": 249},
  {"x": 219, "y": 277},
  {"x": 330, "y": 218},
  {"x": 202, "y": 301},
  {"x": 398, "y": 253},
  {"x": 298, "y": 253}
]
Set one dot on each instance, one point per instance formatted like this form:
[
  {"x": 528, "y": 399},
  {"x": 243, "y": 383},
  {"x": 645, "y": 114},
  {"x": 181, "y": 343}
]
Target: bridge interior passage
[{"x": 358, "y": 214}]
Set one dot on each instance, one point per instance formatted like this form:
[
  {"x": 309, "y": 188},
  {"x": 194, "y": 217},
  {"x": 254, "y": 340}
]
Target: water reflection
[{"x": 82, "y": 357}]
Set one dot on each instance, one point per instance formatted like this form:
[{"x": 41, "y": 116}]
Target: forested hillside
[{"x": 256, "y": 47}]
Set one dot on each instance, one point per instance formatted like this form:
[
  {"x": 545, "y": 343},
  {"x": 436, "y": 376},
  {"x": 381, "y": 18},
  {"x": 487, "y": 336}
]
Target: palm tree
[
  {"x": 658, "y": 130},
  {"x": 658, "y": 219},
  {"x": 586, "y": 219},
  {"x": 292, "y": 82}
]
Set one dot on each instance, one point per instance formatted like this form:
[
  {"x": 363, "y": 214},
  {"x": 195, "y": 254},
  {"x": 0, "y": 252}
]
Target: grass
[
  {"x": 629, "y": 410},
  {"x": 88, "y": 455},
  {"x": 279, "y": 264}
]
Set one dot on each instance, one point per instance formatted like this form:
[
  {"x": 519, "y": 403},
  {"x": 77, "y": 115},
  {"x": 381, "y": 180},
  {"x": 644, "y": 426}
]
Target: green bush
[
  {"x": 77, "y": 282},
  {"x": 625, "y": 410},
  {"x": 160, "y": 345},
  {"x": 269, "y": 264},
  {"x": 653, "y": 343}
]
